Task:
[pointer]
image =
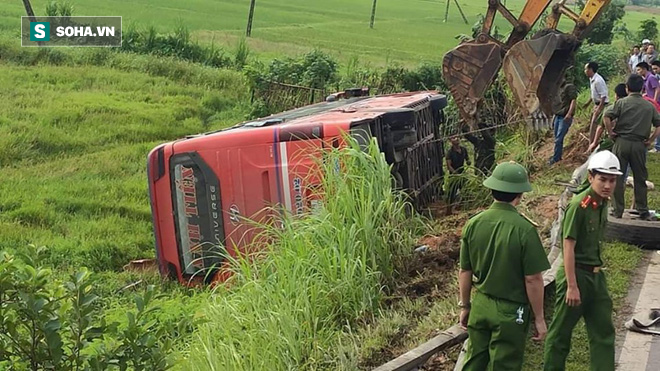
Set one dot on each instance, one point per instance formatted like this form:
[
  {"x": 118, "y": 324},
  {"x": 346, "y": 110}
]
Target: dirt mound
[
  {"x": 575, "y": 152},
  {"x": 428, "y": 272},
  {"x": 427, "y": 269},
  {"x": 544, "y": 209},
  {"x": 575, "y": 146},
  {"x": 443, "y": 242}
]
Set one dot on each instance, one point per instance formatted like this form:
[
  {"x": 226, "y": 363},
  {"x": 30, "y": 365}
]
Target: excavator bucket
[
  {"x": 468, "y": 70},
  {"x": 535, "y": 69}
]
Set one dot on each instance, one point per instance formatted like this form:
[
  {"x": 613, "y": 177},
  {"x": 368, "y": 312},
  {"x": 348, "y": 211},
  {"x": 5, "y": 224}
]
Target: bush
[
  {"x": 357, "y": 75},
  {"x": 242, "y": 53},
  {"x": 611, "y": 61},
  {"x": 177, "y": 44},
  {"x": 427, "y": 76},
  {"x": 648, "y": 29},
  {"x": 48, "y": 324},
  {"x": 315, "y": 70},
  {"x": 601, "y": 33}
]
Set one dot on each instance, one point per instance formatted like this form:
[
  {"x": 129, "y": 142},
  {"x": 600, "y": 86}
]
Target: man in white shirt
[
  {"x": 599, "y": 96},
  {"x": 650, "y": 55},
  {"x": 635, "y": 58}
]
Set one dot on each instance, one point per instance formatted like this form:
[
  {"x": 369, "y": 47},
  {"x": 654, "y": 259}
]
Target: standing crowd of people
[
  {"x": 501, "y": 254},
  {"x": 629, "y": 127}
]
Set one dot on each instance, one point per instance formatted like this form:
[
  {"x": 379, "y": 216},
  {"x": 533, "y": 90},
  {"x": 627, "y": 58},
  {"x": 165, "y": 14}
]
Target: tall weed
[
  {"x": 287, "y": 309},
  {"x": 241, "y": 54}
]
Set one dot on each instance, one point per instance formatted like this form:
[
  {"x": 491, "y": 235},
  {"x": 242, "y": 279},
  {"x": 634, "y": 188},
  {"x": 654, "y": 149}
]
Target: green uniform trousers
[
  {"x": 497, "y": 330},
  {"x": 596, "y": 308},
  {"x": 631, "y": 153}
]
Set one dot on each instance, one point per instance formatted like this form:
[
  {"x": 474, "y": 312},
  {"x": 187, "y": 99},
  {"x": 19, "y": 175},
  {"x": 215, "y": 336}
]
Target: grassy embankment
[{"x": 73, "y": 145}]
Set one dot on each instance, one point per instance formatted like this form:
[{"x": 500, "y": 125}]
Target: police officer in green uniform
[
  {"x": 632, "y": 136},
  {"x": 502, "y": 256},
  {"x": 604, "y": 142},
  {"x": 581, "y": 287}
]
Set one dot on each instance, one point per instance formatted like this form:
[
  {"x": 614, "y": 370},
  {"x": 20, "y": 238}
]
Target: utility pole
[
  {"x": 373, "y": 15},
  {"x": 30, "y": 13},
  {"x": 459, "y": 9},
  {"x": 248, "y": 32}
]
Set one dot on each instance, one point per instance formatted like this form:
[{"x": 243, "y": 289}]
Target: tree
[
  {"x": 602, "y": 33},
  {"x": 648, "y": 29}
]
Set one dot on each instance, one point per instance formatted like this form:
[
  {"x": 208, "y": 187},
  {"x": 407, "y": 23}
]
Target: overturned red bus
[{"x": 202, "y": 186}]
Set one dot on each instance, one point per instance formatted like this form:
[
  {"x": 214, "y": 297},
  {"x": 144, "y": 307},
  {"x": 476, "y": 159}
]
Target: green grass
[
  {"x": 406, "y": 31},
  {"x": 73, "y": 146}
]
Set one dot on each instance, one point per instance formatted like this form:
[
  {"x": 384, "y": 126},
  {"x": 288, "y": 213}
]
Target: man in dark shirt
[
  {"x": 484, "y": 147},
  {"x": 457, "y": 158},
  {"x": 632, "y": 135}
]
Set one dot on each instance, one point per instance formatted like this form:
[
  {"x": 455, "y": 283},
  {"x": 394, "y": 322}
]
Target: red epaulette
[{"x": 588, "y": 200}]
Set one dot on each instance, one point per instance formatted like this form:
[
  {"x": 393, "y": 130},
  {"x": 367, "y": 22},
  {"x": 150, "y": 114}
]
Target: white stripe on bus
[{"x": 286, "y": 186}]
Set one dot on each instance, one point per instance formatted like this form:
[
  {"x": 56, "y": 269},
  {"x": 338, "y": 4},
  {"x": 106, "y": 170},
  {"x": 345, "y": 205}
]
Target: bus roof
[{"x": 345, "y": 110}]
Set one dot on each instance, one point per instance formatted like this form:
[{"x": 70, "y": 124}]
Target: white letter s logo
[{"x": 39, "y": 31}]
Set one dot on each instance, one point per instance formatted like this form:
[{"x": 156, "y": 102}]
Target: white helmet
[
  {"x": 605, "y": 162},
  {"x": 646, "y": 41}
]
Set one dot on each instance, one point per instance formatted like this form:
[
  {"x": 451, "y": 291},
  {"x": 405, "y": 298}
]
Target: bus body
[{"x": 203, "y": 187}]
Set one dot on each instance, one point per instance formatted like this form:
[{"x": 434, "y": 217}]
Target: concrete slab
[{"x": 641, "y": 351}]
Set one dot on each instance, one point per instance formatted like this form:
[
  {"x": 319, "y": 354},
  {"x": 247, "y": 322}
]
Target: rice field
[{"x": 407, "y": 32}]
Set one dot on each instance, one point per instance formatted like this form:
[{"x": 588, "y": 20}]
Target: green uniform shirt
[
  {"x": 634, "y": 117},
  {"x": 501, "y": 247},
  {"x": 585, "y": 223}
]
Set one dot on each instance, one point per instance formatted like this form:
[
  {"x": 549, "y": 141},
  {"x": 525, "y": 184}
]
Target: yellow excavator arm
[
  {"x": 534, "y": 68},
  {"x": 583, "y": 22},
  {"x": 470, "y": 68}
]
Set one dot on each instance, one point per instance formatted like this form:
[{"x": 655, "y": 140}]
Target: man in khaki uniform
[
  {"x": 634, "y": 118},
  {"x": 502, "y": 256},
  {"x": 581, "y": 286}
]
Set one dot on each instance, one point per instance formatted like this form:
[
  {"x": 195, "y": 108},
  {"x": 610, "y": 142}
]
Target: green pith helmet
[{"x": 509, "y": 177}]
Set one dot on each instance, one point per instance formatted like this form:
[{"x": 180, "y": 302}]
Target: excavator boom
[
  {"x": 535, "y": 68},
  {"x": 470, "y": 68}
]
